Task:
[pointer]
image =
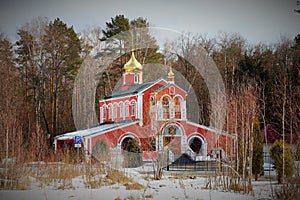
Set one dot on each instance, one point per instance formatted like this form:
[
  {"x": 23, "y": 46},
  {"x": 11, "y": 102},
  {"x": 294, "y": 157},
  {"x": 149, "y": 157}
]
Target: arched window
[
  {"x": 172, "y": 130},
  {"x": 166, "y": 106},
  {"x": 171, "y": 138},
  {"x": 126, "y": 109},
  {"x": 121, "y": 109},
  {"x": 172, "y": 90},
  {"x": 115, "y": 110},
  {"x": 104, "y": 112},
  {"x": 152, "y": 100},
  {"x": 133, "y": 108},
  {"x": 136, "y": 78},
  {"x": 110, "y": 111},
  {"x": 177, "y": 107}
]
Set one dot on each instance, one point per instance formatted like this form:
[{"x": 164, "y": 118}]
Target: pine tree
[
  {"x": 120, "y": 36},
  {"x": 63, "y": 49},
  {"x": 258, "y": 155}
]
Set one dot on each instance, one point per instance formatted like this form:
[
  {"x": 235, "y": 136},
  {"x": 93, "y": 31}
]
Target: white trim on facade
[{"x": 140, "y": 108}]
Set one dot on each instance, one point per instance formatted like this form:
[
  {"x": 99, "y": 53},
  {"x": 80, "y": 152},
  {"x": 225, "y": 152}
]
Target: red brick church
[{"x": 154, "y": 114}]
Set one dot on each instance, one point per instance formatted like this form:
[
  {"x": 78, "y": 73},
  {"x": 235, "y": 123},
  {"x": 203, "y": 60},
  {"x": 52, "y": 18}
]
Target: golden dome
[{"x": 132, "y": 64}]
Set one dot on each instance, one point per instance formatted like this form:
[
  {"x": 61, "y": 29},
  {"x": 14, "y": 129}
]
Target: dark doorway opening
[
  {"x": 195, "y": 144},
  {"x": 124, "y": 142}
]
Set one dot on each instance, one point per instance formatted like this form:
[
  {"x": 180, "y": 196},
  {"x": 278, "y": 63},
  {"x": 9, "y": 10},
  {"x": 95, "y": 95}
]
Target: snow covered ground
[{"x": 179, "y": 186}]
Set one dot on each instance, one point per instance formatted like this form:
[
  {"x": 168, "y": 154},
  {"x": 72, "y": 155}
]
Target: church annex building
[{"x": 154, "y": 114}]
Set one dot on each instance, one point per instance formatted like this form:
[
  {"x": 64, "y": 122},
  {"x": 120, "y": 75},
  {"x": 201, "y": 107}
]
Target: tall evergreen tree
[
  {"x": 63, "y": 48},
  {"x": 258, "y": 154},
  {"x": 48, "y": 58}
]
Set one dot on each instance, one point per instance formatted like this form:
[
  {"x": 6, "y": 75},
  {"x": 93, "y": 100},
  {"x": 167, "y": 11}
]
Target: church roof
[
  {"x": 134, "y": 89},
  {"x": 272, "y": 135},
  {"x": 94, "y": 130},
  {"x": 164, "y": 86},
  {"x": 160, "y": 88}
]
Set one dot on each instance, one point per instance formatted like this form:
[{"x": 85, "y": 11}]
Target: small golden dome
[{"x": 132, "y": 64}]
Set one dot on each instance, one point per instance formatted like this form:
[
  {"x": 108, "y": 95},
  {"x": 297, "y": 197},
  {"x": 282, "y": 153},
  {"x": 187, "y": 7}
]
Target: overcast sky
[{"x": 256, "y": 20}]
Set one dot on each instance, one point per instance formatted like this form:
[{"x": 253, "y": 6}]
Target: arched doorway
[
  {"x": 124, "y": 141},
  {"x": 197, "y": 145},
  {"x": 172, "y": 138},
  {"x": 131, "y": 151}
]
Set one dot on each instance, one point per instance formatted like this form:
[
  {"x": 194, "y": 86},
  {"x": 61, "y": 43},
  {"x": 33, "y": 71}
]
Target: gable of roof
[
  {"x": 270, "y": 135},
  {"x": 164, "y": 86},
  {"x": 159, "y": 88}
]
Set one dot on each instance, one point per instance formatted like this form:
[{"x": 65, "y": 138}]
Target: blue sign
[{"x": 77, "y": 140}]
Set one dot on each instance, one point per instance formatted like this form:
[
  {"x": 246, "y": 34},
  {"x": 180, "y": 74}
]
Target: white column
[
  {"x": 124, "y": 110},
  {"x": 171, "y": 109},
  {"x": 183, "y": 109},
  {"x": 204, "y": 149},
  {"x": 55, "y": 145},
  {"x": 159, "y": 143},
  {"x": 101, "y": 114},
  {"x": 140, "y": 108},
  {"x": 183, "y": 144},
  {"x": 86, "y": 146},
  {"x": 159, "y": 111}
]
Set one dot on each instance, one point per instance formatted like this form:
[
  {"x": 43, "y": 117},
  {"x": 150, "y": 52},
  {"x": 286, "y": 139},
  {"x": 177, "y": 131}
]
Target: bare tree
[
  {"x": 229, "y": 50},
  {"x": 33, "y": 70},
  {"x": 10, "y": 121}
]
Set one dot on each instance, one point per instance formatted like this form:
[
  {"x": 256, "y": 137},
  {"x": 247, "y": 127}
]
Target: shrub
[
  {"x": 276, "y": 153},
  {"x": 289, "y": 190}
]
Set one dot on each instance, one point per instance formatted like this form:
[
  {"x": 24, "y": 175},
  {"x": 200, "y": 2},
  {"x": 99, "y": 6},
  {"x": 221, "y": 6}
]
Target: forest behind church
[{"x": 38, "y": 72}]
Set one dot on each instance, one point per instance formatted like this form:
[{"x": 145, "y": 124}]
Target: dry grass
[
  {"x": 133, "y": 186},
  {"x": 58, "y": 171},
  {"x": 118, "y": 177},
  {"x": 59, "y": 175},
  {"x": 98, "y": 178},
  {"x": 289, "y": 190},
  {"x": 148, "y": 196},
  {"x": 15, "y": 176},
  {"x": 237, "y": 187}
]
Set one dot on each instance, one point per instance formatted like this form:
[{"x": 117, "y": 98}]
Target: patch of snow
[{"x": 184, "y": 185}]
